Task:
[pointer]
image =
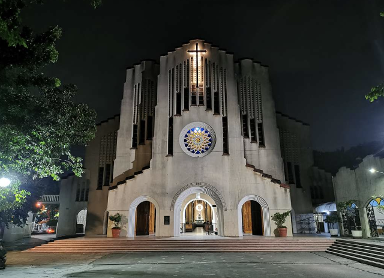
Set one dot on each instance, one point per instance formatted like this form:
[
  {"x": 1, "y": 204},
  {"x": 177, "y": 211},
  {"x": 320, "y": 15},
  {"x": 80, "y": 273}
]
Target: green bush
[
  {"x": 279, "y": 218},
  {"x": 116, "y": 219},
  {"x": 332, "y": 219}
]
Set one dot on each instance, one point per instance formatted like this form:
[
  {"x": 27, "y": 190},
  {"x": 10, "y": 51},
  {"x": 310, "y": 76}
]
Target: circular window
[
  {"x": 197, "y": 139},
  {"x": 199, "y": 207}
]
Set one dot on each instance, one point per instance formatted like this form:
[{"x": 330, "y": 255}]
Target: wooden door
[
  {"x": 247, "y": 218},
  {"x": 152, "y": 219},
  {"x": 142, "y": 223}
]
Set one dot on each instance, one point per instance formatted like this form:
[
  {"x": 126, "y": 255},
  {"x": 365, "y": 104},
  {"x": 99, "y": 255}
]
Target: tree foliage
[
  {"x": 377, "y": 91},
  {"x": 116, "y": 219},
  {"x": 39, "y": 120},
  {"x": 279, "y": 218},
  {"x": 12, "y": 198}
]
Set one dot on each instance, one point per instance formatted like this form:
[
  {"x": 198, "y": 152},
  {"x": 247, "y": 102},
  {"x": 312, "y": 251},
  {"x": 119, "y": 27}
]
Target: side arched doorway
[
  {"x": 252, "y": 216},
  {"x": 142, "y": 217},
  {"x": 256, "y": 214},
  {"x": 81, "y": 221},
  {"x": 145, "y": 219},
  {"x": 375, "y": 216}
]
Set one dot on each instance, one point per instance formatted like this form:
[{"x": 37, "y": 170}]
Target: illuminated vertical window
[{"x": 197, "y": 75}]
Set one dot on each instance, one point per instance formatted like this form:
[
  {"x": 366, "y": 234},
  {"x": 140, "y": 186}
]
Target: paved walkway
[{"x": 186, "y": 265}]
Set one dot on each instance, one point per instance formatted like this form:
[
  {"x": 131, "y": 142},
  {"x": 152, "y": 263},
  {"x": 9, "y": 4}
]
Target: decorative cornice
[
  {"x": 109, "y": 119},
  {"x": 267, "y": 176},
  {"x": 206, "y": 189},
  {"x": 291, "y": 118}
]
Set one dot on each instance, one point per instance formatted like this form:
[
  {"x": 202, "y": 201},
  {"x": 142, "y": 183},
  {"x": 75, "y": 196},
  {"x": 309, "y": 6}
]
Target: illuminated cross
[{"x": 197, "y": 63}]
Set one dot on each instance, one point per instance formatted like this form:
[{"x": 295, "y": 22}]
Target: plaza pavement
[{"x": 157, "y": 264}]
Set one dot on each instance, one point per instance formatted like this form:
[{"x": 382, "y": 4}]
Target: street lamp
[
  {"x": 4, "y": 182},
  {"x": 373, "y": 170}
]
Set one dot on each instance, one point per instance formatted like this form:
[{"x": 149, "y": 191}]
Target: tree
[
  {"x": 39, "y": 121},
  {"x": 377, "y": 91},
  {"x": 11, "y": 199}
]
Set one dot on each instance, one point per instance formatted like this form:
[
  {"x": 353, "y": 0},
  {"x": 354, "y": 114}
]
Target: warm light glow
[
  {"x": 372, "y": 170},
  {"x": 4, "y": 182},
  {"x": 199, "y": 207},
  {"x": 38, "y": 204}
]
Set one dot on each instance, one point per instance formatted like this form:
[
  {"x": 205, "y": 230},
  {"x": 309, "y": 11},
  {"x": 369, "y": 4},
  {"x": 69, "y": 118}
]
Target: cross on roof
[{"x": 197, "y": 62}]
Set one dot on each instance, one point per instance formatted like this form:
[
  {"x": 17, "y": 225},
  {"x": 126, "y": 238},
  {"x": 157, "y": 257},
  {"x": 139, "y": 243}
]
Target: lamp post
[
  {"x": 4, "y": 182},
  {"x": 373, "y": 170}
]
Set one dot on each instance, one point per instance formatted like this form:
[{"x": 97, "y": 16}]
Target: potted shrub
[
  {"x": 357, "y": 232},
  {"x": 116, "y": 219},
  {"x": 332, "y": 219},
  {"x": 350, "y": 209},
  {"x": 279, "y": 219}
]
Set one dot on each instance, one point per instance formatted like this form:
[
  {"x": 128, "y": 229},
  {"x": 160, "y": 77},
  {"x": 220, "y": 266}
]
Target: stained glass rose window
[{"x": 197, "y": 139}]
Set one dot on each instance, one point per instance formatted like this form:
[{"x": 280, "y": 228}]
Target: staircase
[
  {"x": 366, "y": 253},
  {"x": 109, "y": 245}
]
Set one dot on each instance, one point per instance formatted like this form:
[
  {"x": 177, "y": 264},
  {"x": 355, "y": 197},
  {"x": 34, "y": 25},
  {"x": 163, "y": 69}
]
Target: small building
[
  {"x": 366, "y": 189},
  {"x": 79, "y": 195}
]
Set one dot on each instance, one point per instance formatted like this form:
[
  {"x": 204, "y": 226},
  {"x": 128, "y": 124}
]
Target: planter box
[
  {"x": 115, "y": 233},
  {"x": 334, "y": 232},
  {"x": 357, "y": 234}
]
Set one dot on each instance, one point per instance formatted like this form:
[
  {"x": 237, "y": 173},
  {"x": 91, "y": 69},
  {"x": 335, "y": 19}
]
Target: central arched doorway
[
  {"x": 195, "y": 191},
  {"x": 252, "y": 216},
  {"x": 198, "y": 215}
]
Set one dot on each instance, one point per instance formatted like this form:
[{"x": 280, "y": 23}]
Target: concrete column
[
  {"x": 342, "y": 230},
  {"x": 364, "y": 222}
]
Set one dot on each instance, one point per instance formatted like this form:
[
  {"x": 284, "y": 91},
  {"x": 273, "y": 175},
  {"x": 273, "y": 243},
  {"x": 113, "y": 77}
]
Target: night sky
[{"x": 324, "y": 55}]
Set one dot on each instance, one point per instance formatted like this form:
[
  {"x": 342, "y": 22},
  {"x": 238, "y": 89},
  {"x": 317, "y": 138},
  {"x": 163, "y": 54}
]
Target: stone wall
[
  {"x": 297, "y": 155},
  {"x": 322, "y": 189},
  {"x": 361, "y": 185},
  {"x": 94, "y": 183},
  {"x": 226, "y": 177}
]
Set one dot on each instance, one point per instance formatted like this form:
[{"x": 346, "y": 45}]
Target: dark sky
[{"x": 324, "y": 55}]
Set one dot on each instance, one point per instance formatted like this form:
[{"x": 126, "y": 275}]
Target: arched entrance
[
  {"x": 350, "y": 218},
  {"x": 81, "y": 221},
  {"x": 375, "y": 216},
  {"x": 198, "y": 215},
  {"x": 145, "y": 219},
  {"x": 142, "y": 217},
  {"x": 191, "y": 190},
  {"x": 256, "y": 213},
  {"x": 252, "y": 217}
]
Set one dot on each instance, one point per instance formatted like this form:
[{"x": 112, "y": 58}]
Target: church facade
[{"x": 197, "y": 142}]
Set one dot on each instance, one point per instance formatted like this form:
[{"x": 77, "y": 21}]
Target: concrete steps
[
  {"x": 366, "y": 253},
  {"x": 170, "y": 245}
]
